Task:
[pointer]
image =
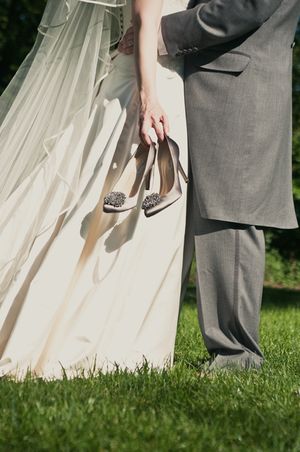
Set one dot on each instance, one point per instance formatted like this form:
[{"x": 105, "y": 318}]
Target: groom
[{"x": 238, "y": 60}]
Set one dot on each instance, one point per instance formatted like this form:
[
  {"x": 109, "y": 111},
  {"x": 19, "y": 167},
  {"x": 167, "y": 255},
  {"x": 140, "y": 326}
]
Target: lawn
[{"x": 172, "y": 411}]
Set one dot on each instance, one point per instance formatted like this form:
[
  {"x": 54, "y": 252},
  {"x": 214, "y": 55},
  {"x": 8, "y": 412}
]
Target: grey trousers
[{"x": 230, "y": 261}]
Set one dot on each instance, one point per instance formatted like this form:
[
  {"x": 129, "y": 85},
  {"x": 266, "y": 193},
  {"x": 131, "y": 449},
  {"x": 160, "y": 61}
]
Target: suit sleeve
[{"x": 214, "y": 23}]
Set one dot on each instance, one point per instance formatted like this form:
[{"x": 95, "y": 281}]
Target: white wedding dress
[{"x": 81, "y": 291}]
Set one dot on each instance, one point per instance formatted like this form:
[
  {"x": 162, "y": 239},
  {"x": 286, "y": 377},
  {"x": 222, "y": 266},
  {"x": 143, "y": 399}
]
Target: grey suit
[{"x": 238, "y": 101}]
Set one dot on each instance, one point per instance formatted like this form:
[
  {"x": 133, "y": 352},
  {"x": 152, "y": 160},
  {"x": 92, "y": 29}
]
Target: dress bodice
[{"x": 173, "y": 6}]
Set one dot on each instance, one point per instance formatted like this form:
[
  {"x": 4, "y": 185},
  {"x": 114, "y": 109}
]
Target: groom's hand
[{"x": 126, "y": 45}]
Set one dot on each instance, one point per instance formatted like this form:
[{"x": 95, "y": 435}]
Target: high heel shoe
[
  {"x": 169, "y": 169},
  {"x": 137, "y": 170}
]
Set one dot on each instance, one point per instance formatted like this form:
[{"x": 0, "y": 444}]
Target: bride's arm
[{"x": 146, "y": 15}]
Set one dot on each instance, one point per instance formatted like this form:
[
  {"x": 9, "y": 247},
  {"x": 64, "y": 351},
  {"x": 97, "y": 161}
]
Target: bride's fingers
[
  {"x": 144, "y": 132},
  {"x": 166, "y": 124},
  {"x": 145, "y": 138},
  {"x": 159, "y": 130}
]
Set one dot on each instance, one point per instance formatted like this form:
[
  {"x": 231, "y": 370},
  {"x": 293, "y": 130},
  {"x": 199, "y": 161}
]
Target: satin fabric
[{"x": 81, "y": 289}]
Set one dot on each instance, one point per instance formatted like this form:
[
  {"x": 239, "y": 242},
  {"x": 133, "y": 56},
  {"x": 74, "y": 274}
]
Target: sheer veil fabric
[
  {"x": 59, "y": 53},
  {"x": 81, "y": 289},
  {"x": 47, "y": 103}
]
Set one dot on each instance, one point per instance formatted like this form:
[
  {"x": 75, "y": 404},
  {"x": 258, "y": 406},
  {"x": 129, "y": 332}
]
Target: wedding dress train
[{"x": 81, "y": 289}]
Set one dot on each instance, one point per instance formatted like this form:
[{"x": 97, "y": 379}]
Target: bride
[{"x": 84, "y": 283}]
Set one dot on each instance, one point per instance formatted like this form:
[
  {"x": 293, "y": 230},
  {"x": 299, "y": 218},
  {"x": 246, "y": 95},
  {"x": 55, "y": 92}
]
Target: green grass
[
  {"x": 282, "y": 272},
  {"x": 172, "y": 411}
]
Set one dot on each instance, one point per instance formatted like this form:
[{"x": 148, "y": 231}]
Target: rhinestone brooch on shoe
[
  {"x": 115, "y": 198},
  {"x": 151, "y": 201}
]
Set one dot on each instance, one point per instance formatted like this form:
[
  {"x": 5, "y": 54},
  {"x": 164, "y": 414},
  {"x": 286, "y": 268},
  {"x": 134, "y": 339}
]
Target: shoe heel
[{"x": 182, "y": 172}]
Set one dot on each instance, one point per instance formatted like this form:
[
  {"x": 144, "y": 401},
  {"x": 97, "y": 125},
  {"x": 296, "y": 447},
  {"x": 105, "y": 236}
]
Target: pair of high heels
[{"x": 138, "y": 170}]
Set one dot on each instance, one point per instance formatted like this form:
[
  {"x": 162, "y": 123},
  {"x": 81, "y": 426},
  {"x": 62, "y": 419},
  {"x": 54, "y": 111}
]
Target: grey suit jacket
[{"x": 238, "y": 99}]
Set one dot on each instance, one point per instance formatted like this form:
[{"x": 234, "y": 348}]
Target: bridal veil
[
  {"x": 44, "y": 112},
  {"x": 56, "y": 82}
]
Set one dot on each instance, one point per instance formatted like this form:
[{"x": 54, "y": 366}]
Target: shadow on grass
[
  {"x": 280, "y": 298},
  {"x": 190, "y": 295}
]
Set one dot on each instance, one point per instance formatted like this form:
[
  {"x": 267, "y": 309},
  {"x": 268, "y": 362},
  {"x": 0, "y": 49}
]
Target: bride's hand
[{"x": 152, "y": 116}]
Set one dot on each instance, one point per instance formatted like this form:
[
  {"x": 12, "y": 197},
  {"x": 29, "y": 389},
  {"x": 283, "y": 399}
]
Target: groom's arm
[{"x": 213, "y": 23}]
